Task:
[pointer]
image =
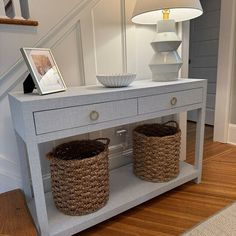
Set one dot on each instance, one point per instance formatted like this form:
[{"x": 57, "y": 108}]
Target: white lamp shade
[{"x": 150, "y": 11}]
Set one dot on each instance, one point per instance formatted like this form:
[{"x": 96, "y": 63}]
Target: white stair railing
[
  {"x": 17, "y": 10},
  {"x": 2, "y": 10},
  {"x": 19, "y": 13}
]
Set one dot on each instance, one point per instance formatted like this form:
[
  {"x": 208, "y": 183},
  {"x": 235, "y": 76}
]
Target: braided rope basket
[
  {"x": 156, "y": 150},
  {"x": 80, "y": 176}
]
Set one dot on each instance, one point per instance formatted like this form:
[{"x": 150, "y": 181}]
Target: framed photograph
[{"x": 44, "y": 70}]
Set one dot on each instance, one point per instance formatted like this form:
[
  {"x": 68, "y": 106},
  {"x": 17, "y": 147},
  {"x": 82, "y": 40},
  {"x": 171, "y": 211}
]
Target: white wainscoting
[
  {"x": 10, "y": 178},
  {"x": 69, "y": 56}
]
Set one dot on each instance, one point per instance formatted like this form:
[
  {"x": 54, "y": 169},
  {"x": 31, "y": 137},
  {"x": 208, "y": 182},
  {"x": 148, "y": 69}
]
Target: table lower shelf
[{"x": 126, "y": 191}]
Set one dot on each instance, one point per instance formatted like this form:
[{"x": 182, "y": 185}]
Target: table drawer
[
  {"x": 169, "y": 100},
  {"x": 72, "y": 117}
]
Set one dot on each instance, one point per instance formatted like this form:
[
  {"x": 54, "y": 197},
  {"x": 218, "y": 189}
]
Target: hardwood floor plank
[{"x": 15, "y": 219}]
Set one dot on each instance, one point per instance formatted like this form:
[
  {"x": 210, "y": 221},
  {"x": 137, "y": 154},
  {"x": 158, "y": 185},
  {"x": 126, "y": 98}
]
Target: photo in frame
[{"x": 44, "y": 70}]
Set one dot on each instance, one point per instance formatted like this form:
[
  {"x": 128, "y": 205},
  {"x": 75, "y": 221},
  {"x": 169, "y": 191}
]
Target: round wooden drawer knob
[
  {"x": 94, "y": 115},
  {"x": 173, "y": 101}
]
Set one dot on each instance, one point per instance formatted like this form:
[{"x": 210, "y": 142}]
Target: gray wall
[{"x": 204, "y": 41}]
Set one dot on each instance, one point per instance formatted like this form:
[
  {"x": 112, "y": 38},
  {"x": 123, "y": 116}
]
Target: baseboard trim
[{"x": 232, "y": 134}]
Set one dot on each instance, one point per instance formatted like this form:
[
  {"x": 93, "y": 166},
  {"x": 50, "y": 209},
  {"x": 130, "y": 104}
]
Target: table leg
[
  {"x": 38, "y": 189},
  {"x": 25, "y": 173},
  {"x": 199, "y": 142}
]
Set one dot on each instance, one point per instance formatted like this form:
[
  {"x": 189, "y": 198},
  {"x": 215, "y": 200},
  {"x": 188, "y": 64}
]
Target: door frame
[{"x": 225, "y": 74}]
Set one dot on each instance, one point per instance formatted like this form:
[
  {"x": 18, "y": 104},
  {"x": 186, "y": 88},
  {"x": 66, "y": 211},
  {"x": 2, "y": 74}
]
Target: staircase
[{"x": 15, "y": 12}]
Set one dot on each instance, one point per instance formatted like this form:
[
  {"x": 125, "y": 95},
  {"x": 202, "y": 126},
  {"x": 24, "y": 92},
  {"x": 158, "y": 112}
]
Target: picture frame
[{"x": 44, "y": 70}]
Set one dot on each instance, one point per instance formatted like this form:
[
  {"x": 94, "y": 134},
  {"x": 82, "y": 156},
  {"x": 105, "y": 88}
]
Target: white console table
[{"x": 39, "y": 119}]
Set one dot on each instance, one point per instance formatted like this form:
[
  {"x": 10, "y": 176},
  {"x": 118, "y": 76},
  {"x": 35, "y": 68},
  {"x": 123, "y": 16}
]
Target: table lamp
[{"x": 166, "y": 62}]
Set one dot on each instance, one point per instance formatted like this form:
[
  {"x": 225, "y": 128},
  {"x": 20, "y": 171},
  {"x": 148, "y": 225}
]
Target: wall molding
[
  {"x": 19, "y": 71},
  {"x": 89, "y": 37},
  {"x": 76, "y": 29},
  {"x": 124, "y": 36}
]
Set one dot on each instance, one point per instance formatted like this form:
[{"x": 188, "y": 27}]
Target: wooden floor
[
  {"x": 180, "y": 209},
  {"x": 15, "y": 219}
]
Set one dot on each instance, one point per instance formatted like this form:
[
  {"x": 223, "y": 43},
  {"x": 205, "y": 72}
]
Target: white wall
[
  {"x": 98, "y": 39},
  {"x": 225, "y": 73}
]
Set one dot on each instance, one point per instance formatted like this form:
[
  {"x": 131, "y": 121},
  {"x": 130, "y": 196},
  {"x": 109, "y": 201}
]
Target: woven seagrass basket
[
  {"x": 80, "y": 176},
  {"x": 156, "y": 150}
]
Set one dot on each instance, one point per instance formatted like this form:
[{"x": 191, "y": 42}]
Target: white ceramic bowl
[{"x": 116, "y": 80}]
